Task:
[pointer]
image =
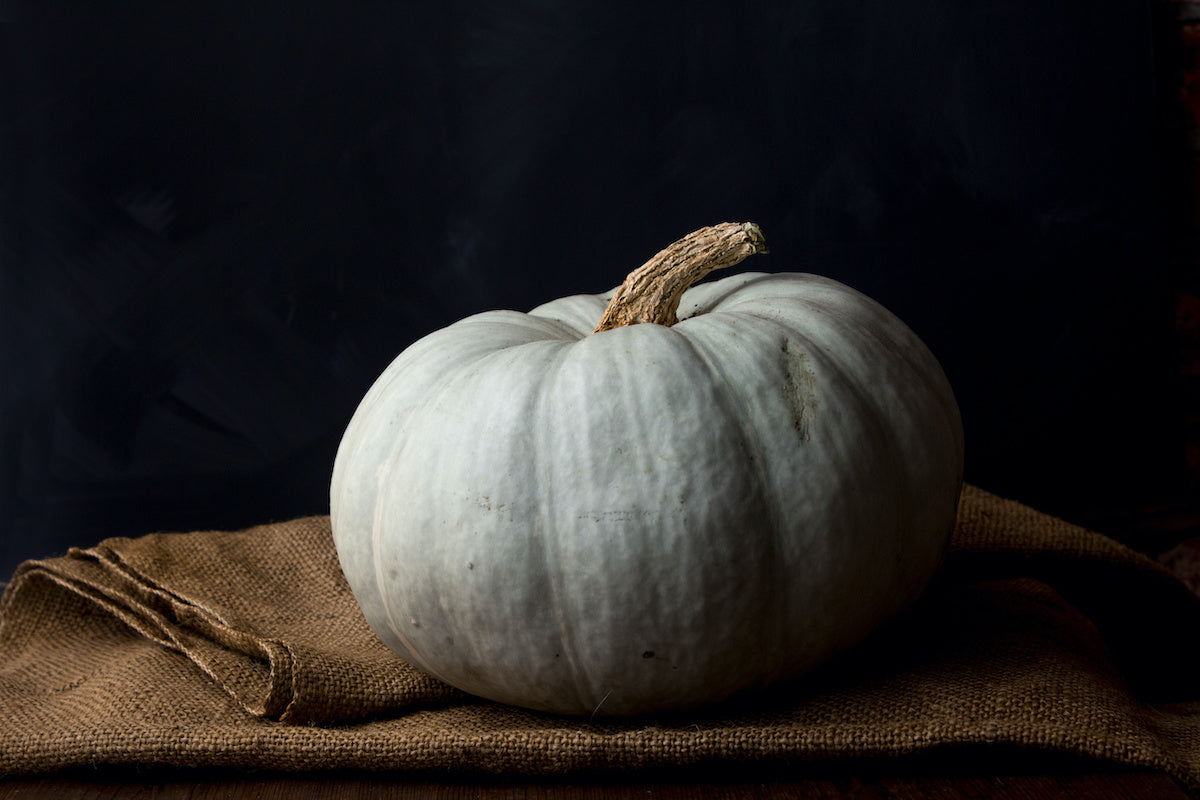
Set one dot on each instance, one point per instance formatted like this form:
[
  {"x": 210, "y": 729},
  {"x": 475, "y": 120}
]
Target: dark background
[{"x": 219, "y": 223}]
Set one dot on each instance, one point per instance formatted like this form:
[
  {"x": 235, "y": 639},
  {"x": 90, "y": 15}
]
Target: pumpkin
[{"x": 650, "y": 499}]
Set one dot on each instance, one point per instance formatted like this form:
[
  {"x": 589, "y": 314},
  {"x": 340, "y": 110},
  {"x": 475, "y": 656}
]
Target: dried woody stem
[{"x": 651, "y": 293}]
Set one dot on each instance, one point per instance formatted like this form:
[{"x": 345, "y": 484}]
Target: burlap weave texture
[{"x": 247, "y": 649}]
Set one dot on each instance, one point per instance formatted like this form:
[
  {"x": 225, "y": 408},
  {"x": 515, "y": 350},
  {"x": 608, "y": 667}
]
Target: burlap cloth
[{"x": 247, "y": 649}]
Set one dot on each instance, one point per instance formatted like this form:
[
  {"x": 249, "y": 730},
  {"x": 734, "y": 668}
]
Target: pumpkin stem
[{"x": 652, "y": 292}]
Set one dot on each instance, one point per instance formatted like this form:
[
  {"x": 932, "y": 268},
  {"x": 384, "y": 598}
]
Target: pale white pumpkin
[{"x": 648, "y": 517}]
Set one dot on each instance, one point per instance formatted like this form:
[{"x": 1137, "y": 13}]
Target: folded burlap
[{"x": 247, "y": 649}]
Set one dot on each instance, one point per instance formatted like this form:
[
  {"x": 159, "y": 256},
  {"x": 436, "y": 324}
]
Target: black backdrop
[{"x": 219, "y": 222}]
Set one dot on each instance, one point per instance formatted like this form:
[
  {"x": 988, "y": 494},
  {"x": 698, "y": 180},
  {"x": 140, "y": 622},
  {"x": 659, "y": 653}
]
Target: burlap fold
[{"x": 247, "y": 649}]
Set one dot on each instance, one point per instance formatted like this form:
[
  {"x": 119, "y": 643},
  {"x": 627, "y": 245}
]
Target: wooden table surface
[{"x": 211, "y": 785}]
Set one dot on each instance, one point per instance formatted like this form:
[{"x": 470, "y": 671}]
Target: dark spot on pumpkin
[
  {"x": 470, "y": 565},
  {"x": 648, "y": 654}
]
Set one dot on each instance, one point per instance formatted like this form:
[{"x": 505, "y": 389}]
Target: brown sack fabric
[{"x": 247, "y": 649}]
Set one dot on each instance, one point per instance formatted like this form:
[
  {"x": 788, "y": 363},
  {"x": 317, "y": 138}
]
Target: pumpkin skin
[{"x": 651, "y": 517}]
